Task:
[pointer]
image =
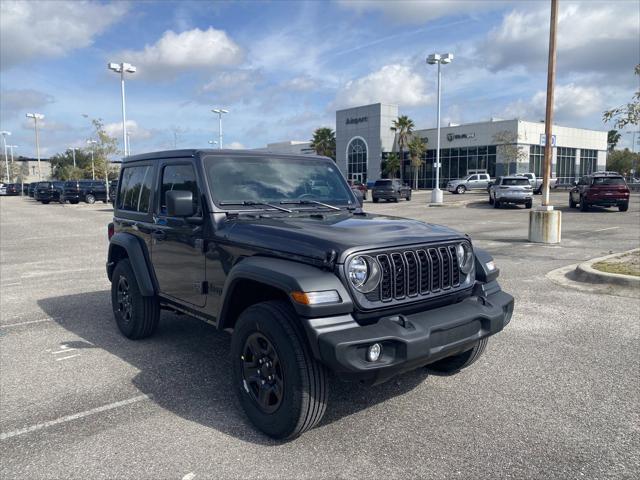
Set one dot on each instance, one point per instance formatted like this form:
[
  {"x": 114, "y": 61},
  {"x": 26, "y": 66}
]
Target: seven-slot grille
[{"x": 417, "y": 272}]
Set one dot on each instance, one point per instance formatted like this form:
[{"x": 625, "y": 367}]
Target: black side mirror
[{"x": 180, "y": 203}]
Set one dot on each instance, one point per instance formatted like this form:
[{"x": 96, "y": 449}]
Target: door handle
[{"x": 159, "y": 234}]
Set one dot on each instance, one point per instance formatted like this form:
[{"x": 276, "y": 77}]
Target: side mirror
[
  {"x": 575, "y": 182},
  {"x": 180, "y": 203}
]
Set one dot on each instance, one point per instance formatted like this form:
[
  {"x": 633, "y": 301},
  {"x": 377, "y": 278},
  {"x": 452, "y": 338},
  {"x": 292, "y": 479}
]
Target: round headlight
[
  {"x": 363, "y": 273},
  {"x": 465, "y": 257}
]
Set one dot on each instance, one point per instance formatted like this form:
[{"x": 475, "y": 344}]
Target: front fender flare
[
  {"x": 138, "y": 258},
  {"x": 287, "y": 276}
]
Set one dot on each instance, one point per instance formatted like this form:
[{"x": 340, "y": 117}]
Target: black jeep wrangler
[{"x": 276, "y": 249}]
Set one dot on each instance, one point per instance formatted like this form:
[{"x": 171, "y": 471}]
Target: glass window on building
[
  {"x": 566, "y": 165},
  {"x": 456, "y": 163},
  {"x": 536, "y": 159},
  {"x": 588, "y": 161},
  {"x": 357, "y": 160}
]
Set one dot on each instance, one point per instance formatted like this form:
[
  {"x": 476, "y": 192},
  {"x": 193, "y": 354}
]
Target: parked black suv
[
  {"x": 49, "y": 192},
  {"x": 390, "y": 189},
  {"x": 276, "y": 249},
  {"x": 88, "y": 191}
]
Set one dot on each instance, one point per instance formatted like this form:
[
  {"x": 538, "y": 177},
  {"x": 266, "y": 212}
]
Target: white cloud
[
  {"x": 174, "y": 53},
  {"x": 396, "y": 84},
  {"x": 133, "y": 129},
  {"x": 15, "y": 100},
  {"x": 302, "y": 83},
  {"x": 234, "y": 146},
  {"x": 51, "y": 29},
  {"x": 414, "y": 11},
  {"x": 591, "y": 37}
]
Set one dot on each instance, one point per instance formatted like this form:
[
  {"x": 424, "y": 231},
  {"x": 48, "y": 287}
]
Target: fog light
[{"x": 373, "y": 352}]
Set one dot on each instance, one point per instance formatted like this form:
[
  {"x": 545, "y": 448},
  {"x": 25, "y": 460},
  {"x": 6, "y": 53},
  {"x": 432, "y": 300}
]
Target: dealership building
[{"x": 364, "y": 137}]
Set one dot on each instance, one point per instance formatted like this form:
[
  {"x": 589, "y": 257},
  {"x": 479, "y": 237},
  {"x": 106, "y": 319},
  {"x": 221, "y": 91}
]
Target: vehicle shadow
[{"x": 185, "y": 366}]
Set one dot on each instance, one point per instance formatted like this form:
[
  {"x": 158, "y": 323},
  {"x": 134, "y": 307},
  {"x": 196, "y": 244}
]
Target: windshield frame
[{"x": 215, "y": 203}]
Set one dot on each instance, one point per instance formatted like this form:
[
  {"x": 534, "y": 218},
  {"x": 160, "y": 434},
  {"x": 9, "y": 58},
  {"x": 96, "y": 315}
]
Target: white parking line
[
  {"x": 70, "y": 418},
  {"x": 189, "y": 476},
  {"x": 27, "y": 323},
  {"x": 69, "y": 356}
]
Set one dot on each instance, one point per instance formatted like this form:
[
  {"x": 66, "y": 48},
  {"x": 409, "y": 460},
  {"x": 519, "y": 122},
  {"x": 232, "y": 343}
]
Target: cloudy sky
[{"x": 283, "y": 68}]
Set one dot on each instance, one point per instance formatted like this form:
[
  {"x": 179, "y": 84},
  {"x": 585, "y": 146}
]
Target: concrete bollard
[{"x": 545, "y": 225}]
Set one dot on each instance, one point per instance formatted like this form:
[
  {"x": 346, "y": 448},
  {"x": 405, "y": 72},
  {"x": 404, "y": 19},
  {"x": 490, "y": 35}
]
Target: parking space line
[
  {"x": 75, "y": 416},
  {"x": 8, "y": 325},
  {"x": 189, "y": 476},
  {"x": 68, "y": 356}
]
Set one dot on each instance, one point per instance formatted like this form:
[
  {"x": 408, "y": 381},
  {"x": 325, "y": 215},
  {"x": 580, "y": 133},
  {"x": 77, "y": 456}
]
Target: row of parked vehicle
[{"x": 71, "y": 191}]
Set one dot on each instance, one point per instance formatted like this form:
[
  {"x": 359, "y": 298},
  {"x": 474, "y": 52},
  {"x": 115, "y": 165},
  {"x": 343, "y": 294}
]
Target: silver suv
[{"x": 515, "y": 189}]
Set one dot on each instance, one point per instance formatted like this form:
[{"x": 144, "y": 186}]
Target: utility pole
[
  {"x": 4, "y": 134},
  {"x": 36, "y": 117}
]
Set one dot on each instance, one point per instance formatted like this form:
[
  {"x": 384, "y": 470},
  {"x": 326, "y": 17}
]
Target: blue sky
[{"x": 283, "y": 68}]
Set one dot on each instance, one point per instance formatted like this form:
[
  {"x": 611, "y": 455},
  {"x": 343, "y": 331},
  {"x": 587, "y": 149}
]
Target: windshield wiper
[
  {"x": 309, "y": 202},
  {"x": 251, "y": 203}
]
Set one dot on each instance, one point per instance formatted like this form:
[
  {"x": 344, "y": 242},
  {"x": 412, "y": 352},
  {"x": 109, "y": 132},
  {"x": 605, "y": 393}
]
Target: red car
[
  {"x": 604, "y": 189},
  {"x": 356, "y": 185}
]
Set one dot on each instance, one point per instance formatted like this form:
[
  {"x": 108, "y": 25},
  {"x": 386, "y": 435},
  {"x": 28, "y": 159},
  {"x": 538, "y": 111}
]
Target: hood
[{"x": 343, "y": 232}]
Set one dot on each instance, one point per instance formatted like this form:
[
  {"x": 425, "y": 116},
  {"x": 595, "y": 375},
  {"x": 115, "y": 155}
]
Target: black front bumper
[{"x": 409, "y": 341}]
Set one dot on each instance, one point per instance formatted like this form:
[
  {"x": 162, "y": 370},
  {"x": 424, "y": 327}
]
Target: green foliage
[
  {"x": 613, "y": 137},
  {"x": 391, "y": 165},
  {"x": 628, "y": 114},
  {"x": 403, "y": 127},
  {"x": 417, "y": 147},
  {"x": 324, "y": 142},
  {"x": 507, "y": 147},
  {"x": 623, "y": 161}
]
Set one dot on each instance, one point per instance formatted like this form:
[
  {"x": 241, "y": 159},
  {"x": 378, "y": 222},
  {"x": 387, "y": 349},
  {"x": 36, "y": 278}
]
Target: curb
[{"x": 586, "y": 273}]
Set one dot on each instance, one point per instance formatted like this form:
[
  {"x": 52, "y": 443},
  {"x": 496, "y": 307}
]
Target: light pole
[
  {"x": 433, "y": 59},
  {"x": 129, "y": 143},
  {"x": 4, "y": 134},
  {"x": 123, "y": 68},
  {"x": 11, "y": 147},
  {"x": 36, "y": 117},
  {"x": 73, "y": 151},
  {"x": 93, "y": 165},
  {"x": 220, "y": 112},
  {"x": 213, "y": 142}
]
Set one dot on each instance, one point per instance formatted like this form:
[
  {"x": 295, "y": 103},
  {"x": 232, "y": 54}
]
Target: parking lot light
[
  {"x": 437, "y": 59},
  {"x": 220, "y": 112},
  {"x": 4, "y": 134},
  {"x": 36, "y": 117},
  {"x": 123, "y": 68}
]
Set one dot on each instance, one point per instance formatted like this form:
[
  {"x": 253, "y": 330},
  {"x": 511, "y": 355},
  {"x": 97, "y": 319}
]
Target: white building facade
[{"x": 364, "y": 136}]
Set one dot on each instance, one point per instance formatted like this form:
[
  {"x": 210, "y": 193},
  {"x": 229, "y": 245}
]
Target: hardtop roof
[{"x": 196, "y": 152}]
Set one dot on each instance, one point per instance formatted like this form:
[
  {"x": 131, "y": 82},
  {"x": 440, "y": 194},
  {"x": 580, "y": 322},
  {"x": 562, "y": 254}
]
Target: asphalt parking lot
[{"x": 556, "y": 395}]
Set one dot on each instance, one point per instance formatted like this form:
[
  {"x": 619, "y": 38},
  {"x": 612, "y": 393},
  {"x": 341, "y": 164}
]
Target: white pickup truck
[{"x": 536, "y": 182}]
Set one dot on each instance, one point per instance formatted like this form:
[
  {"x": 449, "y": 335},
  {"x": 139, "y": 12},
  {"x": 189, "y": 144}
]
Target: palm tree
[
  {"x": 392, "y": 165},
  {"x": 324, "y": 142},
  {"x": 403, "y": 127},
  {"x": 416, "y": 149}
]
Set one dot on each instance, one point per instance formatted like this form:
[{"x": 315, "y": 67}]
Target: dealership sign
[
  {"x": 543, "y": 140},
  {"x": 457, "y": 136},
  {"x": 356, "y": 120}
]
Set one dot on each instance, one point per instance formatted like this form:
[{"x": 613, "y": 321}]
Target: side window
[
  {"x": 179, "y": 177},
  {"x": 473, "y": 178},
  {"x": 135, "y": 189}
]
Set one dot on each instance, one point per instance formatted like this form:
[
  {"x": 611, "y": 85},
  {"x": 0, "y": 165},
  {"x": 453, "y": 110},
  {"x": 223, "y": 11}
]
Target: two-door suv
[
  {"x": 275, "y": 249},
  {"x": 603, "y": 189}
]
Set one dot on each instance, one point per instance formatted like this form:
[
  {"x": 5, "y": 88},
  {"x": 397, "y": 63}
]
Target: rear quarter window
[{"x": 135, "y": 189}]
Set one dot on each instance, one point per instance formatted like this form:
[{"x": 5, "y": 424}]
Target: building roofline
[{"x": 368, "y": 105}]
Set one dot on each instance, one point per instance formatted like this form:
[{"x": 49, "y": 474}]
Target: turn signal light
[{"x": 316, "y": 298}]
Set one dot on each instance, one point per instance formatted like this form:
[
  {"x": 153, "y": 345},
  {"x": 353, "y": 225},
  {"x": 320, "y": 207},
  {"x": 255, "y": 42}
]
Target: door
[
  {"x": 177, "y": 249},
  {"x": 483, "y": 181},
  {"x": 472, "y": 183},
  {"x": 356, "y": 177}
]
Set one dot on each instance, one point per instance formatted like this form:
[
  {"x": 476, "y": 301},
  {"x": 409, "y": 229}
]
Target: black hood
[{"x": 343, "y": 232}]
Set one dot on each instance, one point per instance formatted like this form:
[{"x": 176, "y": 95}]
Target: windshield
[
  {"x": 515, "y": 181},
  {"x": 383, "y": 183},
  {"x": 44, "y": 185},
  {"x": 274, "y": 180},
  {"x": 608, "y": 181}
]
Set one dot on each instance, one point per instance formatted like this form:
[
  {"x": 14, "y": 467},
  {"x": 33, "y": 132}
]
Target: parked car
[
  {"x": 306, "y": 282},
  {"x": 32, "y": 189},
  {"x": 49, "y": 192},
  {"x": 536, "y": 182},
  {"x": 3, "y": 189},
  {"x": 511, "y": 189},
  {"x": 13, "y": 189},
  {"x": 356, "y": 185},
  {"x": 88, "y": 191},
  {"x": 476, "y": 181},
  {"x": 604, "y": 189},
  {"x": 390, "y": 189}
]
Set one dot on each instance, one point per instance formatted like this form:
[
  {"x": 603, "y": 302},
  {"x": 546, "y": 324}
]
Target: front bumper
[{"x": 409, "y": 341}]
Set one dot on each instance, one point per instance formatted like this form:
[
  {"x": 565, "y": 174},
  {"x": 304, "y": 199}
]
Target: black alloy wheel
[
  {"x": 262, "y": 372},
  {"x": 123, "y": 296}
]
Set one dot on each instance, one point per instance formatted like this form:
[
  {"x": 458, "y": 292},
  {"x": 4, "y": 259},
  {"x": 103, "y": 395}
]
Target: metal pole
[
  {"x": 548, "y": 118},
  {"x": 220, "y": 130},
  {"x": 6, "y": 158},
  {"x": 124, "y": 115},
  {"x": 436, "y": 195},
  {"x": 73, "y": 150},
  {"x": 35, "y": 122},
  {"x": 93, "y": 166}
]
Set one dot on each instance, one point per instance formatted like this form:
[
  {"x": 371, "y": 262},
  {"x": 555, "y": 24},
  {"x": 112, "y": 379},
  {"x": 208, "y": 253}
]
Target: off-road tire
[
  {"x": 623, "y": 207},
  {"x": 572, "y": 204},
  {"x": 395, "y": 199},
  {"x": 74, "y": 202},
  {"x": 461, "y": 189},
  {"x": 304, "y": 385},
  {"x": 409, "y": 198},
  {"x": 462, "y": 360},
  {"x": 144, "y": 315},
  {"x": 90, "y": 198},
  {"x": 496, "y": 203},
  {"x": 45, "y": 202},
  {"x": 528, "y": 204},
  {"x": 584, "y": 206}
]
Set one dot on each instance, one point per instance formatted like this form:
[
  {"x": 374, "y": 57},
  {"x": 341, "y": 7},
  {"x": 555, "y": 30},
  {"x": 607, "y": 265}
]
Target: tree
[
  {"x": 324, "y": 142},
  {"x": 623, "y": 161},
  {"x": 507, "y": 148},
  {"x": 613, "y": 137},
  {"x": 403, "y": 127},
  {"x": 62, "y": 165},
  {"x": 628, "y": 114},
  {"x": 417, "y": 148},
  {"x": 104, "y": 150},
  {"x": 391, "y": 165}
]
